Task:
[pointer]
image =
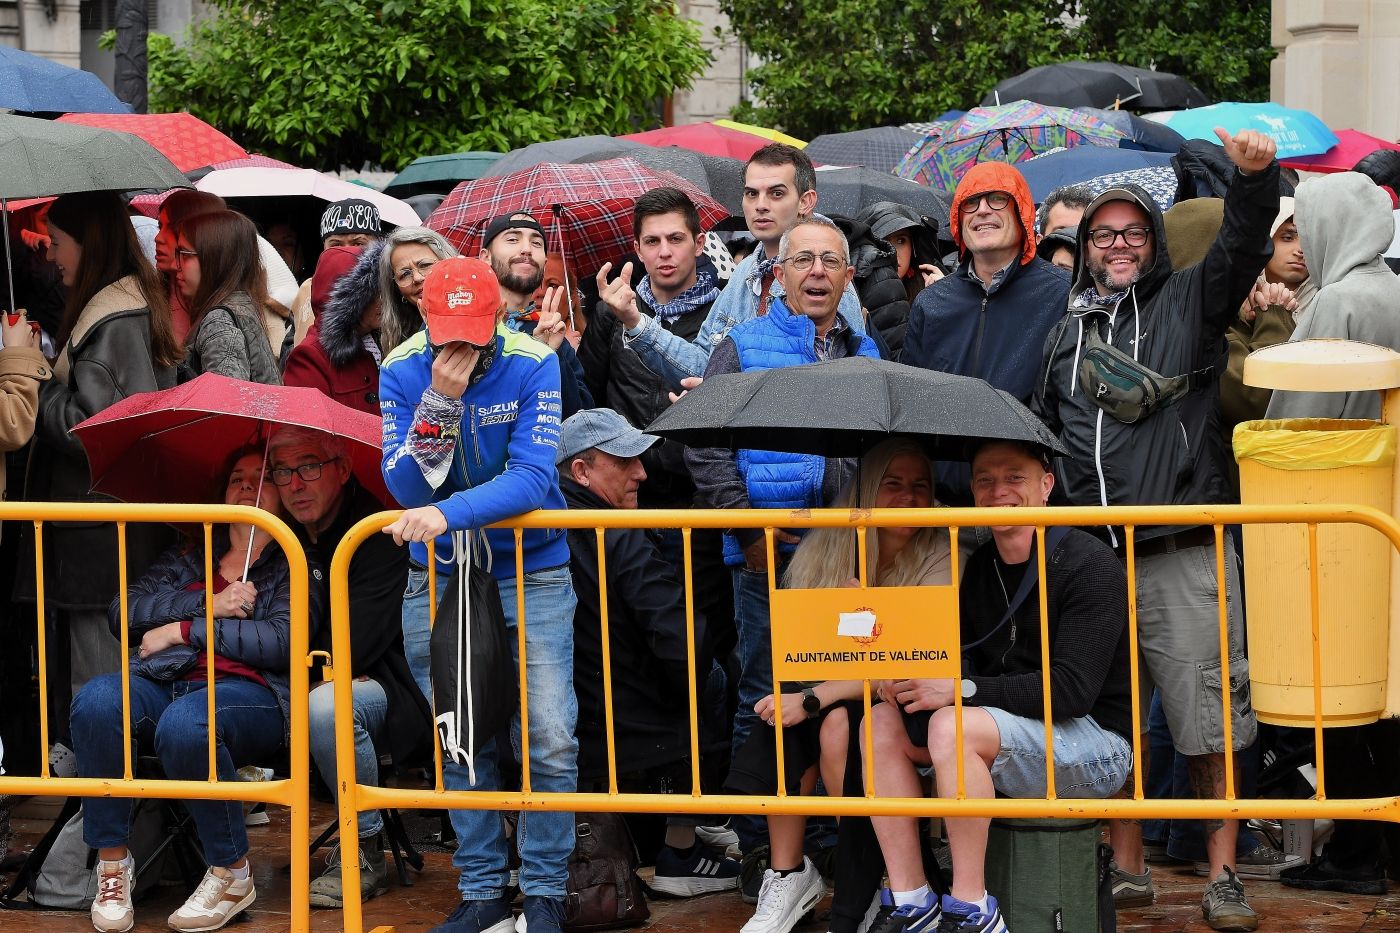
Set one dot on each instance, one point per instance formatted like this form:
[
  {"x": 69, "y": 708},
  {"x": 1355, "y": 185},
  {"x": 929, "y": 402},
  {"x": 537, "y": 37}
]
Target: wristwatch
[
  {"x": 969, "y": 688},
  {"x": 810, "y": 702}
]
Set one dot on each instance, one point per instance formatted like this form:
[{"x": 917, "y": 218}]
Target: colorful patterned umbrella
[
  {"x": 186, "y": 140},
  {"x": 589, "y": 205},
  {"x": 1297, "y": 132},
  {"x": 1010, "y": 133}
]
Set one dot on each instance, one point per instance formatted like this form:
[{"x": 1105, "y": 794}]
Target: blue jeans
[
  {"x": 418, "y": 629},
  {"x": 172, "y": 719},
  {"x": 755, "y": 677},
  {"x": 371, "y": 708},
  {"x": 545, "y": 839}
]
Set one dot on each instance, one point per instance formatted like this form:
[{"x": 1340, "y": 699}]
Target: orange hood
[{"x": 997, "y": 176}]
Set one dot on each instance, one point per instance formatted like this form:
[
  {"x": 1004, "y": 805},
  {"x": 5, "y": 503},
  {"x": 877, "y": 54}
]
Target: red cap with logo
[{"x": 459, "y": 302}]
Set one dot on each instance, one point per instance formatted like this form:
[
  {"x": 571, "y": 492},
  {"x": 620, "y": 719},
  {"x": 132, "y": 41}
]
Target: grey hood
[{"x": 1344, "y": 225}]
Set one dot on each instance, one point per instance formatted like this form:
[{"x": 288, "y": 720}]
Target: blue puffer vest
[{"x": 782, "y": 480}]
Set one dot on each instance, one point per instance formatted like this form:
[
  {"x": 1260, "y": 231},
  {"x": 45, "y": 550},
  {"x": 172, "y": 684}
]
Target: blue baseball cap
[{"x": 604, "y": 429}]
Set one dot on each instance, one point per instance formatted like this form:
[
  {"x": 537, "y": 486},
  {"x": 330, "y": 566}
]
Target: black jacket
[
  {"x": 889, "y": 307},
  {"x": 108, "y": 361},
  {"x": 262, "y": 641},
  {"x": 618, "y": 379},
  {"x": 1175, "y": 456},
  {"x": 378, "y": 578},
  {"x": 573, "y": 390},
  {"x": 646, "y": 628}
]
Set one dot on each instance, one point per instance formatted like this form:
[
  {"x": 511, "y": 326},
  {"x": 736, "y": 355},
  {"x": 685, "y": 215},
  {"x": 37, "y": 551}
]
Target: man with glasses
[
  {"x": 471, "y": 415},
  {"x": 1129, "y": 386},
  {"x": 989, "y": 317},
  {"x": 311, "y": 470},
  {"x": 803, "y": 326}
]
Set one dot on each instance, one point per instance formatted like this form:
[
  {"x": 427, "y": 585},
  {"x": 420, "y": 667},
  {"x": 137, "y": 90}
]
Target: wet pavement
[{"x": 433, "y": 895}]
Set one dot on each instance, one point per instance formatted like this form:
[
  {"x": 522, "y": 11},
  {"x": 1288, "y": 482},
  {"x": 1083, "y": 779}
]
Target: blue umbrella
[
  {"x": 1297, "y": 132},
  {"x": 34, "y": 84},
  {"x": 1079, "y": 164}
]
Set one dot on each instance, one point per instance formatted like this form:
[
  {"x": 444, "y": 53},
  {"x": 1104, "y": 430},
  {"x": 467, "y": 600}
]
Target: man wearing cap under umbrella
[{"x": 471, "y": 414}]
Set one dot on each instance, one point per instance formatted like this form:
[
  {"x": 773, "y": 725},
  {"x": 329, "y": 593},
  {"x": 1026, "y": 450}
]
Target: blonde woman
[{"x": 895, "y": 474}]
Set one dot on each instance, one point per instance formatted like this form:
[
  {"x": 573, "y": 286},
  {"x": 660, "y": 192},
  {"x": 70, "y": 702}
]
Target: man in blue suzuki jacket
[{"x": 471, "y": 424}]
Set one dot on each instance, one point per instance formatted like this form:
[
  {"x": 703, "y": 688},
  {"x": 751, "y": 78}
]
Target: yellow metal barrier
[
  {"x": 293, "y": 792},
  {"x": 354, "y": 797}
]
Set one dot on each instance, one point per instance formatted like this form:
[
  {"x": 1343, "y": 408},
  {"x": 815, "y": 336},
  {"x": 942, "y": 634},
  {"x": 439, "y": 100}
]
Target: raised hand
[
  {"x": 619, "y": 296},
  {"x": 1250, "y": 150}
]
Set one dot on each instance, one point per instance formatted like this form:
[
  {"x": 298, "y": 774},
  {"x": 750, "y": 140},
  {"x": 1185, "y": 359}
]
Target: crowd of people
[{"x": 502, "y": 393}]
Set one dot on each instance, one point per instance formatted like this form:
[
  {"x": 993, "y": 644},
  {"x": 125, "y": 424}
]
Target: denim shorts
[{"x": 1090, "y": 761}]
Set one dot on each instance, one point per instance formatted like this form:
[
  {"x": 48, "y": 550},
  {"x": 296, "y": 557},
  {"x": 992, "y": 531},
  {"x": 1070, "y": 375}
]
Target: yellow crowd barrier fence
[
  {"x": 354, "y": 797},
  {"x": 291, "y": 792}
]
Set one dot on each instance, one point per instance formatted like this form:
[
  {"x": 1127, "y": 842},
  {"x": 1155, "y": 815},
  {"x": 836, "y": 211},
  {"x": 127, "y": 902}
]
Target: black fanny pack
[{"x": 1124, "y": 387}]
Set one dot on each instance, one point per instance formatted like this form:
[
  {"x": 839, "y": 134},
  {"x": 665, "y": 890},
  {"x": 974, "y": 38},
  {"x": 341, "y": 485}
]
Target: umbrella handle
[
  {"x": 9, "y": 263},
  {"x": 558, "y": 211}
]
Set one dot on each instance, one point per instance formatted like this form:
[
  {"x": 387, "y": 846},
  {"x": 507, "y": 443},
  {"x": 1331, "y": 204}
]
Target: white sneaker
[
  {"x": 783, "y": 900},
  {"x": 217, "y": 900},
  {"x": 111, "y": 911}
]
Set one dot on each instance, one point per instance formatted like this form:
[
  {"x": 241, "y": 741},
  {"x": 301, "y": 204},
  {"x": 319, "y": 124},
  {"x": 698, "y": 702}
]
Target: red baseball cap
[{"x": 460, "y": 300}]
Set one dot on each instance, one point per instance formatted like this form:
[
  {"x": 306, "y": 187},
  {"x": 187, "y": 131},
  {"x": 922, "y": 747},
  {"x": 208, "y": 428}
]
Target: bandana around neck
[{"x": 704, "y": 291}]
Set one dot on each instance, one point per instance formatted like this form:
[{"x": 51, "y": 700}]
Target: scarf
[
  {"x": 704, "y": 291},
  {"x": 1090, "y": 298}
]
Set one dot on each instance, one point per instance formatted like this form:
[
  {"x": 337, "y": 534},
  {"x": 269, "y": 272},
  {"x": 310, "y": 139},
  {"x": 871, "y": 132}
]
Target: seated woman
[
  {"x": 894, "y": 474},
  {"x": 169, "y": 709}
]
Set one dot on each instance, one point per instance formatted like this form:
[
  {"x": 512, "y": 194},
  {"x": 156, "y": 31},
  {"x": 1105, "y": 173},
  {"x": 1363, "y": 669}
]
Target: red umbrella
[
  {"x": 588, "y": 204},
  {"x": 169, "y": 446},
  {"x": 706, "y": 138},
  {"x": 184, "y": 139},
  {"x": 1352, "y": 147}
]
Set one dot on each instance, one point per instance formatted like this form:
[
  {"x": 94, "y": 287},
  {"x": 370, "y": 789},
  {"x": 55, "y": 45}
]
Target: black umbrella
[
  {"x": 842, "y": 408},
  {"x": 1159, "y": 90},
  {"x": 1147, "y": 135},
  {"x": 848, "y": 191},
  {"x": 1063, "y": 84},
  {"x": 879, "y": 147}
]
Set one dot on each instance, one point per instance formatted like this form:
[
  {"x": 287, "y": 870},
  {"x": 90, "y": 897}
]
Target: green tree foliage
[
  {"x": 832, "y": 65},
  {"x": 338, "y": 82}
]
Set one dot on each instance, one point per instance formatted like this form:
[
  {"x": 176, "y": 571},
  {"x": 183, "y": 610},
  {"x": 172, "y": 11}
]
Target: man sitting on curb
[{"x": 1003, "y": 729}]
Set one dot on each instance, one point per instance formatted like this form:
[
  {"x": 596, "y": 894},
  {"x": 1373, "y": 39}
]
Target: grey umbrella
[
  {"x": 573, "y": 149},
  {"x": 879, "y": 147},
  {"x": 842, "y": 408},
  {"x": 719, "y": 177},
  {"x": 43, "y": 158}
]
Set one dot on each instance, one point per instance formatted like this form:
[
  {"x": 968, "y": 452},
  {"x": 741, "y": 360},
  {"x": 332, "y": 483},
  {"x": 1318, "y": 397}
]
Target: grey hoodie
[{"x": 1345, "y": 224}]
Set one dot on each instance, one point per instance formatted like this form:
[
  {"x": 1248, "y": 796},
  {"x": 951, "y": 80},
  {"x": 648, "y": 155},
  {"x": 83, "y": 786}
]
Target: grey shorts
[
  {"x": 1090, "y": 761},
  {"x": 1179, "y": 637}
]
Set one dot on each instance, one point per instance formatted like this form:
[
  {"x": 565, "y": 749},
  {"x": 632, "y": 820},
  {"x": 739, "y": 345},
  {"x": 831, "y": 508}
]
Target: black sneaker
[
  {"x": 1322, "y": 875},
  {"x": 704, "y": 871},
  {"x": 1225, "y": 907},
  {"x": 542, "y": 914},
  {"x": 751, "y": 870}
]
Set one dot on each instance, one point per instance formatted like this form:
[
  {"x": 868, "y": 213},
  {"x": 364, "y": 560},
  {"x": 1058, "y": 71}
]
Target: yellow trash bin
[{"x": 1317, "y": 461}]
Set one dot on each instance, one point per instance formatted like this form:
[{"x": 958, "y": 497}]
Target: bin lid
[{"x": 1322, "y": 365}]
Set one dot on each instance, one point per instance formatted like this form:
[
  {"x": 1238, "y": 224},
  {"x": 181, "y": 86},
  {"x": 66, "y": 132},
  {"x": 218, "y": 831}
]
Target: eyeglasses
[
  {"x": 309, "y": 472},
  {"x": 1104, "y": 237},
  {"x": 801, "y": 262},
  {"x": 421, "y": 267},
  {"x": 182, "y": 254},
  {"x": 996, "y": 200}
]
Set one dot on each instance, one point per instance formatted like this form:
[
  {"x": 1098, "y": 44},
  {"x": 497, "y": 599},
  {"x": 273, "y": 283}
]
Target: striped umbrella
[
  {"x": 588, "y": 205},
  {"x": 1009, "y": 133}
]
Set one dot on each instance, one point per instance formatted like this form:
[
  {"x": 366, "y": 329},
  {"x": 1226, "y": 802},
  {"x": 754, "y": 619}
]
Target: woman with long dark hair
[
  {"x": 220, "y": 275},
  {"x": 115, "y": 341}
]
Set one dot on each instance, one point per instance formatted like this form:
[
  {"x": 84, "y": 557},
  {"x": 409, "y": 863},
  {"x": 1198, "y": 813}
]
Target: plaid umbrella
[
  {"x": 1010, "y": 133},
  {"x": 720, "y": 178},
  {"x": 879, "y": 147},
  {"x": 186, "y": 140},
  {"x": 588, "y": 205}
]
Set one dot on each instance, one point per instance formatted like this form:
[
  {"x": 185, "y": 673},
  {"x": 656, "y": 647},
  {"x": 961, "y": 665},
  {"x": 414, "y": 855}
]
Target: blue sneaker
[
  {"x": 704, "y": 871},
  {"x": 962, "y": 917},
  {"x": 910, "y": 918},
  {"x": 542, "y": 914},
  {"x": 492, "y": 916}
]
